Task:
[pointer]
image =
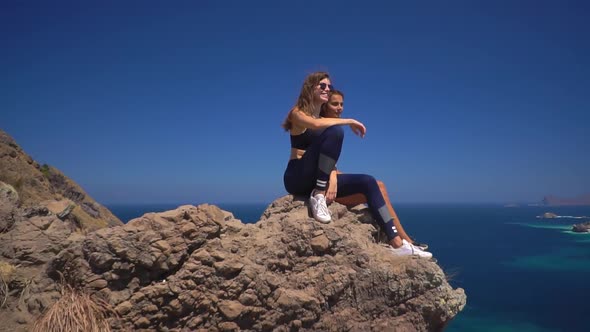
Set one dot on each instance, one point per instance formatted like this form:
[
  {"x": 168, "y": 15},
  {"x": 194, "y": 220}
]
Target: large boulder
[
  {"x": 198, "y": 268},
  {"x": 8, "y": 206}
]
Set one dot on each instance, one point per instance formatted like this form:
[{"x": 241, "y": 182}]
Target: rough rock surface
[
  {"x": 42, "y": 183},
  {"x": 197, "y": 267},
  {"x": 42, "y": 212},
  {"x": 582, "y": 227}
]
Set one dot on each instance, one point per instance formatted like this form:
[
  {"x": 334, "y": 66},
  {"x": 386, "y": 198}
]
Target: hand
[
  {"x": 332, "y": 190},
  {"x": 358, "y": 128}
]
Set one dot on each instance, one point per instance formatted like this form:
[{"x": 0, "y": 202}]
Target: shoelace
[
  {"x": 416, "y": 248},
  {"x": 322, "y": 206}
]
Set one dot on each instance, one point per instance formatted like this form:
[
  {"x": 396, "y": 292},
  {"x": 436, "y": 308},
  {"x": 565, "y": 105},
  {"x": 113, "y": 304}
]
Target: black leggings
[{"x": 312, "y": 171}]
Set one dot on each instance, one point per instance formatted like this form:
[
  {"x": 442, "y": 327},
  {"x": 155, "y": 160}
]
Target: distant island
[
  {"x": 558, "y": 201},
  {"x": 551, "y": 215},
  {"x": 517, "y": 205},
  {"x": 511, "y": 205},
  {"x": 581, "y": 228}
]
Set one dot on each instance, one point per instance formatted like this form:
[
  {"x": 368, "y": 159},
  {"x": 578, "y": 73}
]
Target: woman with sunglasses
[
  {"x": 316, "y": 143},
  {"x": 333, "y": 109}
]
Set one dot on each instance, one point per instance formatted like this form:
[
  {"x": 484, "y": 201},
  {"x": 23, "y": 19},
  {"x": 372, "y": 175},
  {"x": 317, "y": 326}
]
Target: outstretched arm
[{"x": 301, "y": 119}]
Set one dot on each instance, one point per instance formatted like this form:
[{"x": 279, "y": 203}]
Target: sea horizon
[
  {"x": 127, "y": 209},
  {"x": 246, "y": 212}
]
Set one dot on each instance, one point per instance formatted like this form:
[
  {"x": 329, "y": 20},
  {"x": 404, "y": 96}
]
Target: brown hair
[
  {"x": 332, "y": 93},
  {"x": 305, "y": 99}
]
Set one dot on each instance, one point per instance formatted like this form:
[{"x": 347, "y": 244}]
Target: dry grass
[
  {"x": 85, "y": 221},
  {"x": 6, "y": 273},
  {"x": 75, "y": 311},
  {"x": 3, "y": 293},
  {"x": 8, "y": 179},
  {"x": 25, "y": 291}
]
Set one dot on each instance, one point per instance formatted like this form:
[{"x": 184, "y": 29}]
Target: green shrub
[{"x": 45, "y": 170}]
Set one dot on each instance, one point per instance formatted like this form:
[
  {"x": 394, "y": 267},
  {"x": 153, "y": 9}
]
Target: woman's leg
[
  {"x": 312, "y": 171},
  {"x": 349, "y": 184},
  {"x": 357, "y": 199}
]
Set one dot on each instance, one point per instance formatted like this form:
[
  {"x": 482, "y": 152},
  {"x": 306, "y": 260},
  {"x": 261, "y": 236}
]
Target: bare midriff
[{"x": 296, "y": 153}]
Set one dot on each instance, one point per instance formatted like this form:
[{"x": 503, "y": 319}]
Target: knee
[
  {"x": 369, "y": 182},
  {"x": 335, "y": 132}
]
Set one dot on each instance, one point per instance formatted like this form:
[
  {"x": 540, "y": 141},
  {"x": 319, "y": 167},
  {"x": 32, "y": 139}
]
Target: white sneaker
[
  {"x": 319, "y": 209},
  {"x": 407, "y": 249}
]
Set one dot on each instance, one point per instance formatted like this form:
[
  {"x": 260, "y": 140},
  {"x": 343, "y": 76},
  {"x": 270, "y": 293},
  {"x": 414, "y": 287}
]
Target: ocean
[{"x": 520, "y": 273}]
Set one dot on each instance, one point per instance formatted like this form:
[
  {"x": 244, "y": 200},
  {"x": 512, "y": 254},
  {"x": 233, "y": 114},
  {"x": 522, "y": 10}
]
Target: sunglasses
[{"x": 324, "y": 85}]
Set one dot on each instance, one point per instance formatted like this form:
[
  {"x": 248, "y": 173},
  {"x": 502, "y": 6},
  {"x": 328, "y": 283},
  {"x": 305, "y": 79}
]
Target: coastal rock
[
  {"x": 8, "y": 206},
  {"x": 42, "y": 212},
  {"x": 36, "y": 183},
  {"x": 548, "y": 215},
  {"x": 582, "y": 227},
  {"x": 288, "y": 272},
  {"x": 198, "y": 268}
]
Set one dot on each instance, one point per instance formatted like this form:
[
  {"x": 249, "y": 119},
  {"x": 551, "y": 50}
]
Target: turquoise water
[{"x": 520, "y": 273}]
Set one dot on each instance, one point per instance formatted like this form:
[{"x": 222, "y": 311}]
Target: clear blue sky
[{"x": 181, "y": 101}]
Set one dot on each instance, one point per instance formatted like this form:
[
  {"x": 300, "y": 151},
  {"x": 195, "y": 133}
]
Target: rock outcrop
[
  {"x": 42, "y": 184},
  {"x": 42, "y": 212},
  {"x": 197, "y": 268},
  {"x": 548, "y": 215},
  {"x": 582, "y": 227}
]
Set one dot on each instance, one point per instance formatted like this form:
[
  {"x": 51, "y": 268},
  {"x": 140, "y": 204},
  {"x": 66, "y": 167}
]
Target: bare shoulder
[
  {"x": 297, "y": 130},
  {"x": 298, "y": 114}
]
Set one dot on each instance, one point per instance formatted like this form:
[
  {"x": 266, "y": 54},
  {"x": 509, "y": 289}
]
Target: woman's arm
[
  {"x": 332, "y": 191},
  {"x": 301, "y": 119}
]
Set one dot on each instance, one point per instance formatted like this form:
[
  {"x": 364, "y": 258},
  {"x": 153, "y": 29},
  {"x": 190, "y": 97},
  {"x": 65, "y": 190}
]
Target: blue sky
[{"x": 181, "y": 101}]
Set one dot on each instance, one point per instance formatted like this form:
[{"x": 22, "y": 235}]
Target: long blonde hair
[{"x": 305, "y": 100}]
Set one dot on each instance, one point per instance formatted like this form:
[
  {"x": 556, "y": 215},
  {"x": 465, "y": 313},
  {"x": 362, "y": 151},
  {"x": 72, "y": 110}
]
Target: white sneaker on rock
[
  {"x": 319, "y": 209},
  {"x": 407, "y": 249}
]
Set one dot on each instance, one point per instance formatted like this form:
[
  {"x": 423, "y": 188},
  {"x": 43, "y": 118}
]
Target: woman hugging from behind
[{"x": 316, "y": 143}]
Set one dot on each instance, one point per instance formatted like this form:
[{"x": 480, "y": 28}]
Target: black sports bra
[{"x": 303, "y": 140}]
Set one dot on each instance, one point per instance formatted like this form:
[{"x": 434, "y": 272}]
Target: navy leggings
[{"x": 312, "y": 171}]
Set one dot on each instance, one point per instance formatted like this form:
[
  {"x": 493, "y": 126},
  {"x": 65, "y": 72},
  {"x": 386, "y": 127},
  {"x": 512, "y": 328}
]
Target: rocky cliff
[
  {"x": 197, "y": 268},
  {"x": 42, "y": 185},
  {"x": 41, "y": 213}
]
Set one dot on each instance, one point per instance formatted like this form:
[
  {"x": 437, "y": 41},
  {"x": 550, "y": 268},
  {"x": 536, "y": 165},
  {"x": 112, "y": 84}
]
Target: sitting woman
[
  {"x": 316, "y": 144},
  {"x": 333, "y": 109}
]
